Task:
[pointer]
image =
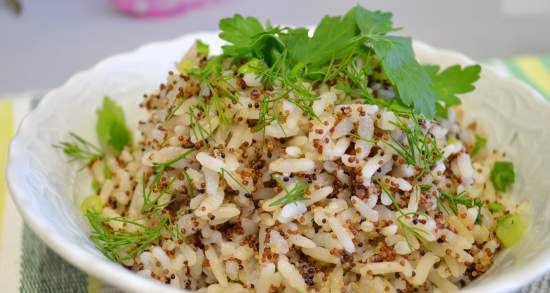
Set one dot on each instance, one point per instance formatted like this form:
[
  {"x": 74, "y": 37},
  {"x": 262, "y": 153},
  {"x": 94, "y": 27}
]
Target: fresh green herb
[
  {"x": 197, "y": 129},
  {"x": 495, "y": 207},
  {"x": 297, "y": 193},
  {"x": 122, "y": 245},
  {"x": 334, "y": 38},
  {"x": 78, "y": 149},
  {"x": 190, "y": 189},
  {"x": 425, "y": 187},
  {"x": 335, "y": 43},
  {"x": 227, "y": 173},
  {"x": 409, "y": 230},
  {"x": 479, "y": 144},
  {"x": 112, "y": 131},
  {"x": 510, "y": 229},
  {"x": 173, "y": 109},
  {"x": 419, "y": 149},
  {"x": 254, "y": 65},
  {"x": 446, "y": 201},
  {"x": 450, "y": 82},
  {"x": 411, "y": 80},
  {"x": 247, "y": 37},
  {"x": 159, "y": 169},
  {"x": 503, "y": 175}
]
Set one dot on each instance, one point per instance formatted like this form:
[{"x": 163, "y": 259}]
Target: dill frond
[
  {"x": 297, "y": 193},
  {"x": 78, "y": 149}
]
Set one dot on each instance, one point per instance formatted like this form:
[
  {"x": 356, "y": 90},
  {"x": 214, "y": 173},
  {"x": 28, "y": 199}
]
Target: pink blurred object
[{"x": 156, "y": 8}]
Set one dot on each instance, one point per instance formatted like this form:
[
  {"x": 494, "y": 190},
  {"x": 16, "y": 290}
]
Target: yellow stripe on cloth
[
  {"x": 535, "y": 71},
  {"x": 6, "y": 132},
  {"x": 94, "y": 286}
]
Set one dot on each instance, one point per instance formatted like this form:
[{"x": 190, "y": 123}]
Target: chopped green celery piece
[
  {"x": 510, "y": 229},
  {"x": 92, "y": 202},
  {"x": 479, "y": 144},
  {"x": 495, "y": 207},
  {"x": 252, "y": 66},
  {"x": 185, "y": 65},
  {"x": 503, "y": 175},
  {"x": 451, "y": 140},
  {"x": 202, "y": 48}
]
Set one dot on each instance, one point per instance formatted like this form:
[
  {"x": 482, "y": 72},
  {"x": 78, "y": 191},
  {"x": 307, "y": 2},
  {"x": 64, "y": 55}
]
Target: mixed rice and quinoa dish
[{"x": 328, "y": 163}]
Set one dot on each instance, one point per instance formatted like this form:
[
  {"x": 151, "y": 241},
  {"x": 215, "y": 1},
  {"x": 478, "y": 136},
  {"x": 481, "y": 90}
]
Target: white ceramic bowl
[{"x": 42, "y": 184}]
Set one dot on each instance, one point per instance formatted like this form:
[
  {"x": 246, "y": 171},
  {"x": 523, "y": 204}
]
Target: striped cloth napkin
[{"x": 28, "y": 266}]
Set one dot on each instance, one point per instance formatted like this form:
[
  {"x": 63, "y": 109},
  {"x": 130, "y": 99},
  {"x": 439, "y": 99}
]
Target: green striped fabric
[
  {"x": 44, "y": 271},
  {"x": 40, "y": 270}
]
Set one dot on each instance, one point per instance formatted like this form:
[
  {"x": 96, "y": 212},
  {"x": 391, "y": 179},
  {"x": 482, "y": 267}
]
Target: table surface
[{"x": 53, "y": 39}]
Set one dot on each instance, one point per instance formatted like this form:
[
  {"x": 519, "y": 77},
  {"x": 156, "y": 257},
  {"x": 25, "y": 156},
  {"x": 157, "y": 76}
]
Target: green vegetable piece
[
  {"x": 372, "y": 22},
  {"x": 495, "y": 207},
  {"x": 248, "y": 37},
  {"x": 253, "y": 66},
  {"x": 451, "y": 140},
  {"x": 413, "y": 83},
  {"x": 93, "y": 203},
  {"x": 202, "y": 48},
  {"x": 111, "y": 128},
  {"x": 503, "y": 175},
  {"x": 479, "y": 144},
  {"x": 510, "y": 229},
  {"x": 450, "y": 82},
  {"x": 334, "y": 38}
]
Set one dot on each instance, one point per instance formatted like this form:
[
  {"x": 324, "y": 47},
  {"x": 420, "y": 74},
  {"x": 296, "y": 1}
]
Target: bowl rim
[{"x": 114, "y": 274}]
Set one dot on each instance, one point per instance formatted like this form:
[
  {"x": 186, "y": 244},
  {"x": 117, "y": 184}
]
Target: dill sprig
[
  {"x": 297, "y": 193},
  {"x": 159, "y": 169},
  {"x": 190, "y": 189},
  {"x": 291, "y": 87},
  {"x": 78, "y": 149},
  {"x": 419, "y": 149},
  {"x": 198, "y": 131},
  {"x": 123, "y": 245},
  {"x": 173, "y": 109},
  {"x": 447, "y": 201},
  {"x": 227, "y": 173},
  {"x": 408, "y": 230}
]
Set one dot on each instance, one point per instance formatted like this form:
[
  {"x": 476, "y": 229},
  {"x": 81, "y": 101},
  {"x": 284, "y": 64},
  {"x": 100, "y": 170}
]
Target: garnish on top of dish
[{"x": 297, "y": 162}]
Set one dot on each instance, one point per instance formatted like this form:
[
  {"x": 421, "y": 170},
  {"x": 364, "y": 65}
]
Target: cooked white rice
[{"x": 345, "y": 236}]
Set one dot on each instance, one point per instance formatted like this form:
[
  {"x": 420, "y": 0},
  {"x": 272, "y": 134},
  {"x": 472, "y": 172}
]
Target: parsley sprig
[{"x": 292, "y": 56}]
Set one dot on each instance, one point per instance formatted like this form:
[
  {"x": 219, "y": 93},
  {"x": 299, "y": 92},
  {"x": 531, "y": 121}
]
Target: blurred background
[{"x": 48, "y": 41}]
